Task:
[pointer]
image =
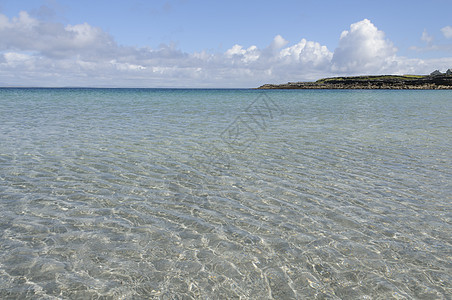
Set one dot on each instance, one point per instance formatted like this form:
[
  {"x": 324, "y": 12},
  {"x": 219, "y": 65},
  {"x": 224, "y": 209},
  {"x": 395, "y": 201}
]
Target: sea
[{"x": 225, "y": 194}]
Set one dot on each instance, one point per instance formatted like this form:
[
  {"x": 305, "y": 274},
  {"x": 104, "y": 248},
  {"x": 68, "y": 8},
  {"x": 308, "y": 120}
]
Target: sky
[{"x": 217, "y": 44}]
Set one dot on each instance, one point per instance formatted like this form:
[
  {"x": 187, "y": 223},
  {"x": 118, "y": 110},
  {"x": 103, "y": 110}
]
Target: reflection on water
[{"x": 130, "y": 194}]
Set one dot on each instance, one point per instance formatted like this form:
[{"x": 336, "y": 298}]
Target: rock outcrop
[{"x": 395, "y": 82}]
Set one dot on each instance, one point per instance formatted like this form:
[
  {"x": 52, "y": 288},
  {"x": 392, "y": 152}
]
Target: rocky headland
[{"x": 390, "y": 82}]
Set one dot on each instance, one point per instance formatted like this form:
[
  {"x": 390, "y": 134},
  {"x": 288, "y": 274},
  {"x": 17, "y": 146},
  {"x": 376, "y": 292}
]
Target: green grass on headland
[
  {"x": 370, "y": 78},
  {"x": 440, "y": 81}
]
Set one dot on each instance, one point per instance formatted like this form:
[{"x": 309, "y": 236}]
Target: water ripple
[{"x": 119, "y": 194}]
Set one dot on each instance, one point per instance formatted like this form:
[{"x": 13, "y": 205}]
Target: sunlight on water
[{"x": 222, "y": 194}]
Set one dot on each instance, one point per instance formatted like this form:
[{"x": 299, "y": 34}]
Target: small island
[{"x": 435, "y": 81}]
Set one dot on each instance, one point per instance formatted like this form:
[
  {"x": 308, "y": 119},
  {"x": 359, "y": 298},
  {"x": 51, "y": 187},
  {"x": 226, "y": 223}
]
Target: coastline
[{"x": 388, "y": 82}]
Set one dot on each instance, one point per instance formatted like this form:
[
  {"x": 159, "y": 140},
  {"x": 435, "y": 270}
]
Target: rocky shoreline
[{"x": 390, "y": 82}]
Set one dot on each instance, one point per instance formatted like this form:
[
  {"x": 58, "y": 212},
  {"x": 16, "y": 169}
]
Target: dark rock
[{"x": 442, "y": 81}]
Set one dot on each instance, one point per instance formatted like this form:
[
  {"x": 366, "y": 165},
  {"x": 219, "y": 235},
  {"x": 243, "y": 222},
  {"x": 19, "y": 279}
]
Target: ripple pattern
[{"x": 136, "y": 194}]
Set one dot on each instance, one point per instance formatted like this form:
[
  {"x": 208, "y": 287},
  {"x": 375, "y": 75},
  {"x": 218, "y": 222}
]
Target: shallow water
[{"x": 222, "y": 194}]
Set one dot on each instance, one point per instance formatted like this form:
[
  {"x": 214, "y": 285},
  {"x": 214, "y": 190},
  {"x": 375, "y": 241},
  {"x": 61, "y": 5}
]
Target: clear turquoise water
[{"x": 222, "y": 194}]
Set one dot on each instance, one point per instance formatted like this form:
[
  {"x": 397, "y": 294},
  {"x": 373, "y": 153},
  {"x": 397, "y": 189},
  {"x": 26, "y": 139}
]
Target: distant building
[
  {"x": 436, "y": 73},
  {"x": 449, "y": 72}
]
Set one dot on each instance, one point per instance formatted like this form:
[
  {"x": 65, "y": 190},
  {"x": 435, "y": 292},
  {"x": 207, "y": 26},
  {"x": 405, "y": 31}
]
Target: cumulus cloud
[
  {"x": 447, "y": 32},
  {"x": 278, "y": 43},
  {"x": 307, "y": 52},
  {"x": 245, "y": 55},
  {"x": 73, "y": 53},
  {"x": 363, "y": 47},
  {"x": 42, "y": 53}
]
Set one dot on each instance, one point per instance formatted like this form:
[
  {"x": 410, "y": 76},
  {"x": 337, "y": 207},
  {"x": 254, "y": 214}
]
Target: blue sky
[{"x": 184, "y": 43}]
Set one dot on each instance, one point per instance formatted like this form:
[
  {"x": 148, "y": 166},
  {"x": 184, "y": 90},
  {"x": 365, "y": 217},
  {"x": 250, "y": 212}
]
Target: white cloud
[
  {"x": 430, "y": 45},
  {"x": 13, "y": 59},
  {"x": 363, "y": 48},
  {"x": 246, "y": 55},
  {"x": 426, "y": 37},
  {"x": 307, "y": 52},
  {"x": 25, "y": 33},
  {"x": 235, "y": 50},
  {"x": 36, "y": 52},
  {"x": 278, "y": 43},
  {"x": 447, "y": 32},
  {"x": 126, "y": 66}
]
